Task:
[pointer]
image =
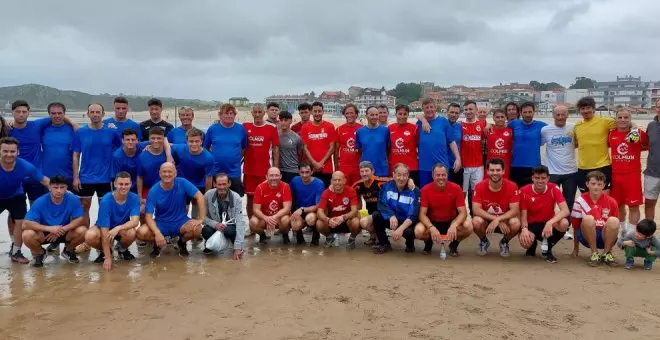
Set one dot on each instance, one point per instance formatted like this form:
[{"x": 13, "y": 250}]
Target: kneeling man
[
  {"x": 168, "y": 201},
  {"x": 495, "y": 207},
  {"x": 538, "y": 218},
  {"x": 119, "y": 216},
  {"x": 306, "y": 191},
  {"x": 224, "y": 214},
  {"x": 442, "y": 213},
  {"x": 337, "y": 211},
  {"x": 54, "y": 218},
  {"x": 272, "y": 207}
]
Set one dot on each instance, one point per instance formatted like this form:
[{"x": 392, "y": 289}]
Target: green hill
[{"x": 39, "y": 96}]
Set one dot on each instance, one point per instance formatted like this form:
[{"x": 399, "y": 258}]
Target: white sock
[{"x": 12, "y": 238}]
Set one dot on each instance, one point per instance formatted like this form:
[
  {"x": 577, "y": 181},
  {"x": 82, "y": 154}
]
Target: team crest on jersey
[
  {"x": 506, "y": 133},
  {"x": 622, "y": 149},
  {"x": 399, "y": 143},
  {"x": 499, "y": 143},
  {"x": 273, "y": 206},
  {"x": 406, "y": 133},
  {"x": 494, "y": 209},
  {"x": 278, "y": 195},
  {"x": 478, "y": 128},
  {"x": 606, "y": 213},
  {"x": 350, "y": 143},
  {"x": 345, "y": 201}
]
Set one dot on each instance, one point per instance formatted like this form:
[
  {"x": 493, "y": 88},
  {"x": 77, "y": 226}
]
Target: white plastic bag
[{"x": 217, "y": 242}]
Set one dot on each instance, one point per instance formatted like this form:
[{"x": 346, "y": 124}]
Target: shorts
[
  {"x": 443, "y": 227},
  {"x": 425, "y": 177},
  {"x": 171, "y": 229},
  {"x": 536, "y": 228},
  {"x": 34, "y": 189},
  {"x": 352, "y": 175},
  {"x": 16, "y": 206},
  {"x": 61, "y": 239},
  {"x": 600, "y": 240},
  {"x": 627, "y": 189},
  {"x": 89, "y": 189},
  {"x": 581, "y": 177},
  {"x": 340, "y": 229},
  {"x": 456, "y": 177},
  {"x": 521, "y": 175},
  {"x": 287, "y": 177},
  {"x": 237, "y": 186},
  {"x": 472, "y": 176},
  {"x": 325, "y": 178},
  {"x": 251, "y": 182},
  {"x": 651, "y": 187},
  {"x": 145, "y": 191}
]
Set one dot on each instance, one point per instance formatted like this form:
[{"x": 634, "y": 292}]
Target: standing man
[
  {"x": 195, "y": 164},
  {"x": 262, "y": 139},
  {"x": 471, "y": 149},
  {"x": 538, "y": 218},
  {"x": 12, "y": 195},
  {"x": 337, "y": 211},
  {"x": 305, "y": 111},
  {"x": 273, "y": 110},
  {"x": 93, "y": 149},
  {"x": 453, "y": 113},
  {"x": 627, "y": 145},
  {"x": 120, "y": 122},
  {"x": 512, "y": 111},
  {"x": 319, "y": 137},
  {"x": 57, "y": 145},
  {"x": 652, "y": 172},
  {"x": 227, "y": 142},
  {"x": 373, "y": 142},
  {"x": 403, "y": 143},
  {"x": 178, "y": 134},
  {"x": 496, "y": 208},
  {"x": 347, "y": 155},
  {"x": 126, "y": 157},
  {"x": 526, "y": 145},
  {"x": 499, "y": 141},
  {"x": 306, "y": 192},
  {"x": 291, "y": 147},
  {"x": 383, "y": 114},
  {"x": 559, "y": 141},
  {"x": 155, "y": 119},
  {"x": 272, "y": 207},
  {"x": 591, "y": 139},
  {"x": 433, "y": 145},
  {"x": 150, "y": 161},
  {"x": 222, "y": 202}
]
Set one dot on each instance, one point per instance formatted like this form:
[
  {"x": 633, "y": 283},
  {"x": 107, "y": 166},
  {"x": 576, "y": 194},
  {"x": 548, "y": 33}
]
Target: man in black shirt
[
  {"x": 368, "y": 188},
  {"x": 155, "y": 110}
]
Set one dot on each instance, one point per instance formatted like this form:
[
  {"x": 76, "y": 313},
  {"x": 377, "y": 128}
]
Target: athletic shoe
[
  {"x": 155, "y": 252},
  {"x": 371, "y": 241},
  {"x": 18, "y": 257},
  {"x": 315, "y": 238},
  {"x": 329, "y": 241},
  {"x": 532, "y": 250},
  {"x": 183, "y": 247},
  {"x": 504, "y": 249},
  {"x": 11, "y": 249},
  {"x": 126, "y": 255},
  {"x": 609, "y": 260},
  {"x": 351, "y": 243},
  {"x": 285, "y": 238},
  {"x": 300, "y": 238},
  {"x": 648, "y": 265},
  {"x": 483, "y": 247},
  {"x": 39, "y": 259},
  {"x": 52, "y": 247},
  {"x": 382, "y": 249},
  {"x": 100, "y": 258},
  {"x": 336, "y": 238},
  {"x": 549, "y": 257},
  {"x": 594, "y": 260},
  {"x": 568, "y": 236},
  {"x": 263, "y": 239},
  {"x": 453, "y": 248},
  {"x": 70, "y": 256},
  {"x": 207, "y": 251},
  {"x": 428, "y": 246},
  {"x": 630, "y": 263}
]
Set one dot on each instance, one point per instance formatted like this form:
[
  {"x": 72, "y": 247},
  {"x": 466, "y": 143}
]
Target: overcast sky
[{"x": 218, "y": 49}]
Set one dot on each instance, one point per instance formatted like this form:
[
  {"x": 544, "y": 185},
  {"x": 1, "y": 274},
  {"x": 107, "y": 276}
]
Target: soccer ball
[{"x": 633, "y": 136}]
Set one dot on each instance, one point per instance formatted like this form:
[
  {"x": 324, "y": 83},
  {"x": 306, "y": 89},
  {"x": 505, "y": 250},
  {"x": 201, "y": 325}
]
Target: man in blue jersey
[
  {"x": 119, "y": 215},
  {"x": 435, "y": 144},
  {"x": 126, "y": 157},
  {"x": 12, "y": 197},
  {"x": 57, "y": 145},
  {"x": 227, "y": 142},
  {"x": 373, "y": 143},
  {"x": 149, "y": 162},
  {"x": 155, "y": 119},
  {"x": 166, "y": 213},
  {"x": 93, "y": 147},
  {"x": 54, "y": 218},
  {"x": 194, "y": 163},
  {"x": 178, "y": 134},
  {"x": 119, "y": 122},
  {"x": 306, "y": 191},
  {"x": 453, "y": 113},
  {"x": 526, "y": 145}
]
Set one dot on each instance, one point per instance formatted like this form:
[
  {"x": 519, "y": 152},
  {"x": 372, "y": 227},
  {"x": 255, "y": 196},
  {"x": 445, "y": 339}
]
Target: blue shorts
[
  {"x": 171, "y": 229},
  {"x": 425, "y": 177},
  {"x": 600, "y": 240}
]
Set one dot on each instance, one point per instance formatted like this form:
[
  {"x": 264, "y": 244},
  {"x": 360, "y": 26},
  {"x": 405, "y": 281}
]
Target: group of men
[{"x": 413, "y": 178}]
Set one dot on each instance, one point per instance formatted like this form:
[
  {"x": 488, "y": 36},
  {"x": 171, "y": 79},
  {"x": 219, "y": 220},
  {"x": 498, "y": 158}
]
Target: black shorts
[
  {"x": 414, "y": 175},
  {"x": 443, "y": 227},
  {"x": 521, "y": 175},
  {"x": 581, "y": 177},
  {"x": 88, "y": 190},
  {"x": 456, "y": 177},
  {"x": 325, "y": 178},
  {"x": 33, "y": 189},
  {"x": 16, "y": 206},
  {"x": 192, "y": 199},
  {"x": 340, "y": 229},
  {"x": 229, "y": 232},
  {"x": 237, "y": 186},
  {"x": 537, "y": 229},
  {"x": 61, "y": 239},
  {"x": 287, "y": 177}
]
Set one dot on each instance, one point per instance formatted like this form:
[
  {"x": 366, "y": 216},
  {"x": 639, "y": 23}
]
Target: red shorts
[
  {"x": 627, "y": 189},
  {"x": 250, "y": 182},
  {"x": 145, "y": 192},
  {"x": 352, "y": 175}
]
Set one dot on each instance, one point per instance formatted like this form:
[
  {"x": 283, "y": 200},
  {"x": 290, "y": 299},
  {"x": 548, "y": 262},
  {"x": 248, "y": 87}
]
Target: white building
[
  {"x": 572, "y": 96},
  {"x": 625, "y": 91},
  {"x": 374, "y": 97},
  {"x": 547, "y": 97}
]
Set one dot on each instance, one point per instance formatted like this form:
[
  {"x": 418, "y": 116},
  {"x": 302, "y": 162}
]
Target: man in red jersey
[
  {"x": 319, "y": 137},
  {"x": 595, "y": 218},
  {"x": 305, "y": 111},
  {"x": 403, "y": 142},
  {"x": 472, "y": 133},
  {"x": 262, "y": 138},
  {"x": 538, "y": 219},
  {"x": 337, "y": 211},
  {"x": 442, "y": 213},
  {"x": 499, "y": 141},
  {"x": 347, "y": 156},
  {"x": 627, "y": 145},
  {"x": 272, "y": 207},
  {"x": 496, "y": 208}
]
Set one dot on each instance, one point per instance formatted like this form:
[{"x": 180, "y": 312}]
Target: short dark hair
[
  {"x": 370, "y": 107},
  {"x": 402, "y": 107},
  {"x": 383, "y": 106},
  {"x": 453, "y": 105},
  {"x": 506, "y": 107},
  {"x": 597, "y": 175},
  {"x": 9, "y": 140},
  {"x": 272, "y": 104},
  {"x": 122, "y": 174},
  {"x": 304, "y": 165},
  {"x": 220, "y": 175},
  {"x": 468, "y": 102},
  {"x": 156, "y": 130},
  {"x": 304, "y": 106},
  {"x": 586, "y": 102},
  {"x": 155, "y": 101},
  {"x": 58, "y": 179},
  {"x": 285, "y": 115},
  {"x": 541, "y": 170},
  {"x": 495, "y": 161},
  {"x": 19, "y": 103},
  {"x": 317, "y": 103},
  {"x": 528, "y": 104},
  {"x": 56, "y": 104},
  {"x": 343, "y": 109},
  {"x": 499, "y": 111},
  {"x": 439, "y": 166},
  {"x": 194, "y": 132},
  {"x": 646, "y": 227},
  {"x": 120, "y": 100},
  {"x": 99, "y": 104},
  {"x": 128, "y": 132}
]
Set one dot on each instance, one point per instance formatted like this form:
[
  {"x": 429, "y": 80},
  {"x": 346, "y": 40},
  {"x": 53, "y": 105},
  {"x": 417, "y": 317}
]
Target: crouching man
[
  {"x": 272, "y": 207},
  {"x": 337, "y": 211},
  {"x": 224, "y": 214},
  {"x": 119, "y": 216},
  {"x": 54, "y": 218}
]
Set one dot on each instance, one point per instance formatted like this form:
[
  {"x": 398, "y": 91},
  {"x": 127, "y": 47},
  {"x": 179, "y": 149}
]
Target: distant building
[
  {"x": 483, "y": 103},
  {"x": 499, "y": 103},
  {"x": 375, "y": 97},
  {"x": 416, "y": 105},
  {"x": 549, "y": 97},
  {"x": 426, "y": 87},
  {"x": 571, "y": 96},
  {"x": 333, "y": 96},
  {"x": 625, "y": 91},
  {"x": 332, "y": 108},
  {"x": 239, "y": 101},
  {"x": 354, "y": 92},
  {"x": 290, "y": 102},
  {"x": 436, "y": 96}
]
